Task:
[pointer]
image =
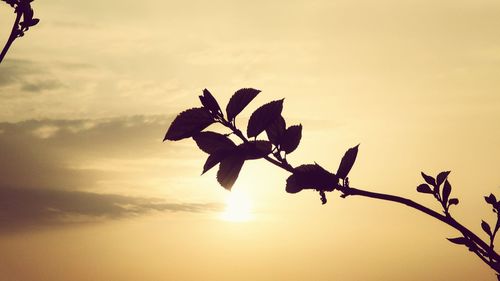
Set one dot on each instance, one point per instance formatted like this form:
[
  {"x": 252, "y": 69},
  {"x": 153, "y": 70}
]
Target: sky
[{"x": 88, "y": 190}]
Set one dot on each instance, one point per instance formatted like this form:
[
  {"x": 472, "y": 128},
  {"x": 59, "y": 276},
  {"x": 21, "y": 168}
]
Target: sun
[{"x": 238, "y": 207}]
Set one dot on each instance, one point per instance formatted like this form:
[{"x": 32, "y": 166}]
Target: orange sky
[{"x": 89, "y": 192}]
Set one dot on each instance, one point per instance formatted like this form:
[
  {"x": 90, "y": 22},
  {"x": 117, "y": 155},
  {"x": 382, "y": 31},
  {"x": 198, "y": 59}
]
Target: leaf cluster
[
  {"x": 23, "y": 8},
  {"x": 222, "y": 150},
  {"x": 495, "y": 204},
  {"x": 433, "y": 186},
  {"x": 279, "y": 141}
]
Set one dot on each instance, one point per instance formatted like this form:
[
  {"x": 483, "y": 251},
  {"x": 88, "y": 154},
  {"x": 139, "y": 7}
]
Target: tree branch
[
  {"x": 12, "y": 37},
  {"x": 350, "y": 191},
  {"x": 317, "y": 178},
  {"x": 446, "y": 219}
]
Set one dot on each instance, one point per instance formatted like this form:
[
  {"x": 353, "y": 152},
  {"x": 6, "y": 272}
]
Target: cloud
[
  {"x": 27, "y": 76},
  {"x": 86, "y": 153},
  {"x": 50, "y": 171},
  {"x": 39, "y": 86},
  {"x": 22, "y": 208},
  {"x": 13, "y": 69},
  {"x": 45, "y": 132}
]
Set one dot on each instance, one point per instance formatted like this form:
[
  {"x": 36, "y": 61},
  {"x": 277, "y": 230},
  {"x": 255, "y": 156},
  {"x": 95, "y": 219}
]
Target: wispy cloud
[
  {"x": 41, "y": 207},
  {"x": 50, "y": 171},
  {"x": 40, "y": 86},
  {"x": 27, "y": 76},
  {"x": 77, "y": 154}
]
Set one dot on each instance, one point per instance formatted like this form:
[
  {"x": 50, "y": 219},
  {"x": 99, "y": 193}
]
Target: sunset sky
[{"x": 88, "y": 191}]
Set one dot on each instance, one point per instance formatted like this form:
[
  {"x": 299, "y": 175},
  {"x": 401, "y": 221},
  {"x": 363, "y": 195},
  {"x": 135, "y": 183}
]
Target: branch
[
  {"x": 348, "y": 191},
  {"x": 13, "y": 35},
  {"x": 446, "y": 219},
  {"x": 23, "y": 11},
  {"x": 282, "y": 141}
]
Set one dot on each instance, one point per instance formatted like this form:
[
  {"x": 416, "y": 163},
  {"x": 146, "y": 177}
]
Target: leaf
[
  {"x": 229, "y": 169},
  {"x": 453, "y": 201},
  {"x": 424, "y": 188},
  {"x": 256, "y": 149},
  {"x": 441, "y": 177},
  {"x": 239, "y": 101},
  {"x": 276, "y": 130},
  {"x": 311, "y": 176},
  {"x": 214, "y": 159},
  {"x": 491, "y": 199},
  {"x": 292, "y": 186},
  {"x": 347, "y": 162},
  {"x": 188, "y": 123},
  {"x": 436, "y": 189},
  {"x": 208, "y": 101},
  {"x": 446, "y": 191},
  {"x": 210, "y": 142},
  {"x": 459, "y": 240},
  {"x": 263, "y": 117},
  {"x": 291, "y": 139},
  {"x": 486, "y": 227},
  {"x": 430, "y": 180},
  {"x": 496, "y": 206},
  {"x": 34, "y": 22}
]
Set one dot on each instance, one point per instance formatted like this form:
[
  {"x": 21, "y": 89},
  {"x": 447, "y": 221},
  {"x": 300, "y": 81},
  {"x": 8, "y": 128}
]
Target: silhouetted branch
[
  {"x": 444, "y": 218},
  {"x": 24, "y": 12},
  {"x": 12, "y": 37},
  {"x": 283, "y": 141}
]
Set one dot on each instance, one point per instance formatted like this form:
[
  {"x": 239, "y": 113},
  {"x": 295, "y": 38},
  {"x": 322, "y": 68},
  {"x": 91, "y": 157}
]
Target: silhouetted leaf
[
  {"x": 215, "y": 158},
  {"x": 453, "y": 201},
  {"x": 34, "y": 22},
  {"x": 188, "y": 123},
  {"x": 229, "y": 169},
  {"x": 347, "y": 162},
  {"x": 486, "y": 227},
  {"x": 459, "y": 240},
  {"x": 263, "y": 117},
  {"x": 428, "y": 179},
  {"x": 491, "y": 199},
  {"x": 441, "y": 177},
  {"x": 255, "y": 149},
  {"x": 424, "y": 188},
  {"x": 311, "y": 176},
  {"x": 436, "y": 189},
  {"x": 496, "y": 206},
  {"x": 239, "y": 101},
  {"x": 210, "y": 142},
  {"x": 446, "y": 191},
  {"x": 291, "y": 139},
  {"x": 292, "y": 186},
  {"x": 208, "y": 101},
  {"x": 276, "y": 130}
]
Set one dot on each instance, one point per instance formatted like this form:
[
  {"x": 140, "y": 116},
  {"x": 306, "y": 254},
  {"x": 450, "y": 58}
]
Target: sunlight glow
[{"x": 238, "y": 207}]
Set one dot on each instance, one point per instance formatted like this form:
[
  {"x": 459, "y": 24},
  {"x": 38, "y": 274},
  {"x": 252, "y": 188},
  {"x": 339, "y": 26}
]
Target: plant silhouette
[
  {"x": 281, "y": 141},
  {"x": 24, "y": 20}
]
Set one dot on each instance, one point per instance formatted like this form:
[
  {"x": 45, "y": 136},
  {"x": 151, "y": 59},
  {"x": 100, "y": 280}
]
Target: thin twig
[
  {"x": 12, "y": 37},
  {"x": 446, "y": 219}
]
